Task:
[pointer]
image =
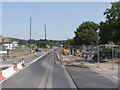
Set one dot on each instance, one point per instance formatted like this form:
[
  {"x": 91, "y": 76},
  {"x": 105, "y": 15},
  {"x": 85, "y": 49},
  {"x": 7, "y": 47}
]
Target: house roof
[{"x": 6, "y": 39}]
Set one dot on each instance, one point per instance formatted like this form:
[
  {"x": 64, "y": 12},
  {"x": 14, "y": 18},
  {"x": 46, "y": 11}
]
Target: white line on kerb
[{"x": 116, "y": 77}]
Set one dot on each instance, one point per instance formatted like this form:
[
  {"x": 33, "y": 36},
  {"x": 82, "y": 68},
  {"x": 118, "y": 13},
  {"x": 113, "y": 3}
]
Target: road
[
  {"x": 86, "y": 78},
  {"x": 44, "y": 73}
]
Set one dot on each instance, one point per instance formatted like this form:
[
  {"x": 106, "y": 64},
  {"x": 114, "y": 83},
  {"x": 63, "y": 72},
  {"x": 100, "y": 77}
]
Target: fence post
[
  {"x": 112, "y": 58},
  {"x": 61, "y": 55},
  {"x": 72, "y": 55},
  {"x": 98, "y": 66}
]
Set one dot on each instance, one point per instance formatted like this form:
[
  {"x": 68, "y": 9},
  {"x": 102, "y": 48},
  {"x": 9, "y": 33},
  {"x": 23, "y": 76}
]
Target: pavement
[
  {"x": 46, "y": 72},
  {"x": 27, "y": 59}
]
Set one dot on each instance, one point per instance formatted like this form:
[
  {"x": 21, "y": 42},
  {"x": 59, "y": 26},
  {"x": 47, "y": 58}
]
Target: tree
[
  {"x": 86, "y": 33},
  {"x": 22, "y": 42},
  {"x": 110, "y": 29},
  {"x": 71, "y": 41},
  {"x": 41, "y": 44}
]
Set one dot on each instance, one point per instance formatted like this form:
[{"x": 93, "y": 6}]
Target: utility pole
[
  {"x": 45, "y": 38},
  {"x": 2, "y": 43},
  {"x": 30, "y": 27},
  {"x": 30, "y": 31}
]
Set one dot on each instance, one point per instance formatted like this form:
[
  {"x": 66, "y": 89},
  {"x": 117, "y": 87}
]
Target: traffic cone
[
  {"x": 22, "y": 62},
  {"x": 35, "y": 54}
]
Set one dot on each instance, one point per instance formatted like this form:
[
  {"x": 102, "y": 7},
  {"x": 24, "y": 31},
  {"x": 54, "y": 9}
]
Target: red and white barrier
[
  {"x": 86, "y": 55},
  {"x": 22, "y": 62},
  {"x": 80, "y": 55},
  {"x": 57, "y": 56},
  {"x": 11, "y": 70},
  {"x": 35, "y": 54},
  {"x": 1, "y": 76}
]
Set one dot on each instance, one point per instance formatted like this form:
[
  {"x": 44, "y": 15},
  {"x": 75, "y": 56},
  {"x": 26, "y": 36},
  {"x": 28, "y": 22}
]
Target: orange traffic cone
[{"x": 35, "y": 54}]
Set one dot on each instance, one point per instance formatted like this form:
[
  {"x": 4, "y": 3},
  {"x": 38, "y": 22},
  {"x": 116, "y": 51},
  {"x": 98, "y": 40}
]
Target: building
[
  {"x": 4, "y": 43},
  {"x": 14, "y": 45}
]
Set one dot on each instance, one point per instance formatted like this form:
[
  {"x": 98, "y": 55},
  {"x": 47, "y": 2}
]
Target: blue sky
[{"x": 61, "y": 18}]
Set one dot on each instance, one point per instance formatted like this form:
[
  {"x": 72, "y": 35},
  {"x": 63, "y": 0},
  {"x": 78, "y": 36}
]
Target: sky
[{"x": 61, "y": 18}]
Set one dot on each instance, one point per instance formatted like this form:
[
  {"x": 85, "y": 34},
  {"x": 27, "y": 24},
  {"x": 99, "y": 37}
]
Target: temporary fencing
[
  {"x": 109, "y": 54},
  {"x": 95, "y": 55}
]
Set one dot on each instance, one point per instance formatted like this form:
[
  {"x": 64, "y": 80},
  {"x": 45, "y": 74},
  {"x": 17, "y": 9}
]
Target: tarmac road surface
[
  {"x": 48, "y": 73},
  {"x": 44, "y": 73}
]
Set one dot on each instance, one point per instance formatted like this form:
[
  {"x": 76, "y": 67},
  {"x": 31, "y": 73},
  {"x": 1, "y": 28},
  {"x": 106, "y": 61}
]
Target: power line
[
  {"x": 39, "y": 16},
  {"x": 37, "y": 12}
]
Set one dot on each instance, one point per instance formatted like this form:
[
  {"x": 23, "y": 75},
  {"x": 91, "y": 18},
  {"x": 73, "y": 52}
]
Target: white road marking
[
  {"x": 23, "y": 67},
  {"x": 72, "y": 85},
  {"x": 43, "y": 82},
  {"x": 116, "y": 77},
  {"x": 97, "y": 68},
  {"x": 49, "y": 83}
]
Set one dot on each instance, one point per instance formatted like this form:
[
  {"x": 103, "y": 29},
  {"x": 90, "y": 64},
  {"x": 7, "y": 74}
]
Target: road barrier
[
  {"x": 22, "y": 62},
  {"x": 57, "y": 56},
  {"x": 35, "y": 54},
  {"x": 86, "y": 56},
  {"x": 11, "y": 70},
  {"x": 94, "y": 55},
  {"x": 1, "y": 76}
]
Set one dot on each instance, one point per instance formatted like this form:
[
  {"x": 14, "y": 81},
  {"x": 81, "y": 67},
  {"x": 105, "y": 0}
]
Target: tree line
[{"x": 39, "y": 43}]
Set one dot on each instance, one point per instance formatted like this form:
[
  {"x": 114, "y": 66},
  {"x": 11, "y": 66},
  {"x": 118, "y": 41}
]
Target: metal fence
[
  {"x": 98, "y": 56},
  {"x": 15, "y": 50},
  {"x": 109, "y": 54},
  {"x": 20, "y": 48}
]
